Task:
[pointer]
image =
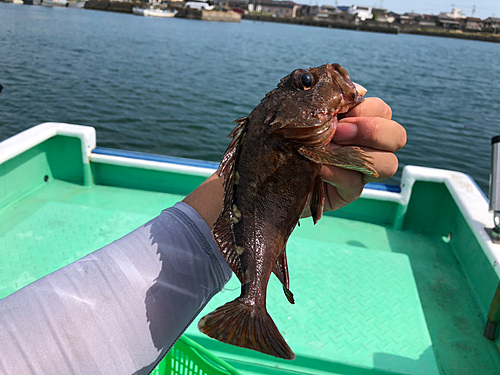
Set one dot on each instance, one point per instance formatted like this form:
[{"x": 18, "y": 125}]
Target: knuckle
[
  {"x": 373, "y": 131},
  {"x": 382, "y": 108}
]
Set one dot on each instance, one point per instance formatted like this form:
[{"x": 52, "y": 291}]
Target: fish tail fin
[{"x": 247, "y": 326}]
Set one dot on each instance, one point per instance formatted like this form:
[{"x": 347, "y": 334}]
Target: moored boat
[
  {"x": 399, "y": 282},
  {"x": 76, "y": 4},
  {"x": 54, "y": 3},
  {"x": 138, "y": 11},
  {"x": 154, "y": 12}
]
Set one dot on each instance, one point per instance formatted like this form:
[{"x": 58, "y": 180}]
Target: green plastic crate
[{"x": 190, "y": 358}]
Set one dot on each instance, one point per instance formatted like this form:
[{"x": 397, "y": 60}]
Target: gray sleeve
[{"x": 119, "y": 309}]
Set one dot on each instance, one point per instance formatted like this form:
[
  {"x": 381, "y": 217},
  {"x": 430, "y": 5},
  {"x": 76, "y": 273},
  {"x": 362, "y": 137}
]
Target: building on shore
[
  {"x": 369, "y": 16},
  {"x": 456, "y": 14},
  {"x": 308, "y": 11},
  {"x": 473, "y": 24},
  {"x": 276, "y": 8},
  {"x": 334, "y": 14},
  {"x": 447, "y": 22},
  {"x": 429, "y": 20},
  {"x": 492, "y": 25},
  {"x": 383, "y": 15},
  {"x": 361, "y": 13}
]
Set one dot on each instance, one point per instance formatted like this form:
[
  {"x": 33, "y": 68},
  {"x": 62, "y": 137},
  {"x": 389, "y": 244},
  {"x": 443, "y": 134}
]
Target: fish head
[{"x": 310, "y": 99}]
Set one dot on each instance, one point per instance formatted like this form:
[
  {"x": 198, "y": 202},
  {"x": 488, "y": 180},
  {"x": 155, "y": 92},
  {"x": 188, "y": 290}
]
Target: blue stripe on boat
[
  {"x": 383, "y": 187},
  {"x": 154, "y": 157},
  {"x": 202, "y": 164}
]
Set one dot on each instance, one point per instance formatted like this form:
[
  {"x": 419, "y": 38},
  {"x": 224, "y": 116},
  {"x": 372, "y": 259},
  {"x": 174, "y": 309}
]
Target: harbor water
[{"x": 174, "y": 86}]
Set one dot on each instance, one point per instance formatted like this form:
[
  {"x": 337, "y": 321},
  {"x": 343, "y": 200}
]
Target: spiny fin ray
[
  {"x": 223, "y": 228},
  {"x": 349, "y": 157}
]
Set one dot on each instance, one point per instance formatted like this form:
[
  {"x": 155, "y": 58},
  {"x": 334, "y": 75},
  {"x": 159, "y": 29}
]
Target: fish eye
[{"x": 304, "y": 79}]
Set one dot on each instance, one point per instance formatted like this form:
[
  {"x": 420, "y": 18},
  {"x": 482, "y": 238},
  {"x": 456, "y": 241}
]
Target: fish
[{"x": 271, "y": 172}]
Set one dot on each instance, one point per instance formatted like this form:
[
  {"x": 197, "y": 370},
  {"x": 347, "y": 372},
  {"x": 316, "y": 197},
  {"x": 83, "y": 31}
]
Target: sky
[{"x": 484, "y": 8}]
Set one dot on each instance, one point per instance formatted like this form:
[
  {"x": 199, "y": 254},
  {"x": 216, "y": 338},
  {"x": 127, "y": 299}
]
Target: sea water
[{"x": 174, "y": 86}]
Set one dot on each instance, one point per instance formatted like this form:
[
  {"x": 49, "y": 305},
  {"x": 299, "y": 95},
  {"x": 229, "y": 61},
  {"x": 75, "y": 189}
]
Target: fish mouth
[{"x": 351, "y": 93}]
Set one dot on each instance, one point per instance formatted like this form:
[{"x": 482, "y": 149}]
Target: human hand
[{"x": 369, "y": 126}]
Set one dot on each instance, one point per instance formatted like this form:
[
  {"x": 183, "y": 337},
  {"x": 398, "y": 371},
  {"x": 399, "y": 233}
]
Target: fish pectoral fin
[
  {"x": 317, "y": 200},
  {"x": 348, "y": 157},
  {"x": 280, "y": 269},
  {"x": 247, "y": 326}
]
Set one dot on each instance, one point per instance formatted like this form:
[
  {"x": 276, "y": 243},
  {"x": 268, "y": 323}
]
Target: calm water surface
[{"x": 173, "y": 86}]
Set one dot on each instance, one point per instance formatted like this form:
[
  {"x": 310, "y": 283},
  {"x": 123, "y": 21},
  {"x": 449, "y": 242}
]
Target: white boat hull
[
  {"x": 158, "y": 13},
  {"x": 54, "y": 3},
  {"x": 76, "y": 4},
  {"x": 153, "y": 12}
]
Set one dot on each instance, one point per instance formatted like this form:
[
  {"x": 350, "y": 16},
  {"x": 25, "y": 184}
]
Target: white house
[
  {"x": 456, "y": 14},
  {"x": 363, "y": 13}
]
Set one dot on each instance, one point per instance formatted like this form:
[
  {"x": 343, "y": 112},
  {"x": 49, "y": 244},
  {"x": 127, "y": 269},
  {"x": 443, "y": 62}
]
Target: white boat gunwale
[{"x": 470, "y": 200}]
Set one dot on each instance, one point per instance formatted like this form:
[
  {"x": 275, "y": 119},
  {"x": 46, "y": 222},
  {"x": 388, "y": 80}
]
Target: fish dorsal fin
[{"x": 223, "y": 229}]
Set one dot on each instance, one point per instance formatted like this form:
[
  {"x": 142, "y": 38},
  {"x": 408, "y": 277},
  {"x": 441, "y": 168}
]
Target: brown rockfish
[{"x": 271, "y": 172}]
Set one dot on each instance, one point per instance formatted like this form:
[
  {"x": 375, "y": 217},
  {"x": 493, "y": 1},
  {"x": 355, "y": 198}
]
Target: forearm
[
  {"x": 207, "y": 199},
  {"x": 119, "y": 309}
]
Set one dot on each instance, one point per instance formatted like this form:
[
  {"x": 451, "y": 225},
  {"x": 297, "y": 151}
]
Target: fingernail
[{"x": 346, "y": 131}]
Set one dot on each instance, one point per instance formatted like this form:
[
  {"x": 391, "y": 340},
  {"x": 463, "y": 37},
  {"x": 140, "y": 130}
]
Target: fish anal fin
[
  {"x": 317, "y": 200},
  {"x": 280, "y": 269},
  {"x": 348, "y": 157},
  {"x": 289, "y": 295},
  {"x": 247, "y": 326}
]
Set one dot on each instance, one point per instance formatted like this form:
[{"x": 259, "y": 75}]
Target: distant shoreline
[
  {"x": 126, "y": 7},
  {"x": 377, "y": 29}
]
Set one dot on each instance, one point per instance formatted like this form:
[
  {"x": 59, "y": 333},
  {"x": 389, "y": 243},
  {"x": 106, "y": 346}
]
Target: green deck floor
[
  {"x": 62, "y": 222},
  {"x": 369, "y": 299}
]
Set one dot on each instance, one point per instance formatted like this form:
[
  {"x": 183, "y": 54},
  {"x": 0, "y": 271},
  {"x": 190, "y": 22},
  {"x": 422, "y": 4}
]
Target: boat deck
[
  {"x": 370, "y": 299},
  {"x": 395, "y": 283}
]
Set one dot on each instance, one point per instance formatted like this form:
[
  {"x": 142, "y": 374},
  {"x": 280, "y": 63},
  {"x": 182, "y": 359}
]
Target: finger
[
  {"x": 370, "y": 107},
  {"x": 343, "y": 186},
  {"x": 385, "y": 163},
  {"x": 374, "y": 132}
]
